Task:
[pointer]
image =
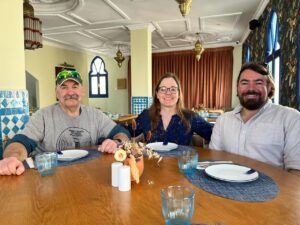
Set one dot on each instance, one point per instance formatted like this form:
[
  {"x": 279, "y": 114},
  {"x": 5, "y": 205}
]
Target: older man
[
  {"x": 66, "y": 124},
  {"x": 257, "y": 128}
]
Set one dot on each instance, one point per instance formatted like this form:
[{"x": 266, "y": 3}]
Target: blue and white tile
[
  {"x": 14, "y": 113},
  {"x": 139, "y": 103}
]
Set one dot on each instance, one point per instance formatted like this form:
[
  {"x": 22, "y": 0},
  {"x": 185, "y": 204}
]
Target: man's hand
[
  {"x": 11, "y": 166},
  {"x": 108, "y": 145}
]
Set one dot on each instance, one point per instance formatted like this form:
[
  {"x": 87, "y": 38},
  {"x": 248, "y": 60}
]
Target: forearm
[
  {"x": 119, "y": 132},
  {"x": 15, "y": 150},
  {"x": 121, "y": 136}
]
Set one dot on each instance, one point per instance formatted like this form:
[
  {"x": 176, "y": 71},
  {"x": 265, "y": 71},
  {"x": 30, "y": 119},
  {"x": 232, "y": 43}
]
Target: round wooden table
[{"x": 82, "y": 194}]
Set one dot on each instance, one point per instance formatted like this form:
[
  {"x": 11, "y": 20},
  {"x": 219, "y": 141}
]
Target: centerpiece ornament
[{"x": 131, "y": 153}]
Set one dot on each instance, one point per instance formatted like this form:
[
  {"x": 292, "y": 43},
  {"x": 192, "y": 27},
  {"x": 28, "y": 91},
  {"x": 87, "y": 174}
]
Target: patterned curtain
[
  {"x": 288, "y": 20},
  {"x": 298, "y": 70}
]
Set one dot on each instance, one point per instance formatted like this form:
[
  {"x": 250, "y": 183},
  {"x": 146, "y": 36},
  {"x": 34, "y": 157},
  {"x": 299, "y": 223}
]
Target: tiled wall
[
  {"x": 14, "y": 113},
  {"x": 139, "y": 103}
]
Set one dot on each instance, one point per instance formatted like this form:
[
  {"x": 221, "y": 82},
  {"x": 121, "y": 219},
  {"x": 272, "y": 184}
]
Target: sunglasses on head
[
  {"x": 261, "y": 67},
  {"x": 68, "y": 74},
  {"x": 265, "y": 65}
]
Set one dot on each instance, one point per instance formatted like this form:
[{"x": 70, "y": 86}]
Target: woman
[{"x": 167, "y": 120}]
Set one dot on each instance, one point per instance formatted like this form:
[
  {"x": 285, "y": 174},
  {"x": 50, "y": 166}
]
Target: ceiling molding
[
  {"x": 100, "y": 26},
  {"x": 148, "y": 26},
  {"x": 263, "y": 4},
  {"x": 55, "y": 7}
]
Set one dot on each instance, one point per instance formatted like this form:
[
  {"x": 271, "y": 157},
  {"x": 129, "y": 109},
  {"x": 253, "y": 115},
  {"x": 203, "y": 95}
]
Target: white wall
[
  {"x": 237, "y": 64},
  {"x": 141, "y": 62},
  {"x": 117, "y": 101},
  {"x": 12, "y": 45},
  {"x": 41, "y": 64}
]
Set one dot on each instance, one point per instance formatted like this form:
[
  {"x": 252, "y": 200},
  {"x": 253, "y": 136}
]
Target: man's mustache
[
  {"x": 251, "y": 93},
  {"x": 74, "y": 96}
]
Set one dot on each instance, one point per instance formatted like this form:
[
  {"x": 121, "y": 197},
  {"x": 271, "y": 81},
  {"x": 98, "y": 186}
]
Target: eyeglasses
[
  {"x": 68, "y": 74},
  {"x": 164, "y": 90}
]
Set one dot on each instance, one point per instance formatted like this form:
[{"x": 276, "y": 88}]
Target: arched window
[
  {"x": 247, "y": 54},
  {"x": 98, "y": 79},
  {"x": 273, "y": 52}
]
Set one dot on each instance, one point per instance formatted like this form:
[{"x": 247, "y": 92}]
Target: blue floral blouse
[{"x": 176, "y": 132}]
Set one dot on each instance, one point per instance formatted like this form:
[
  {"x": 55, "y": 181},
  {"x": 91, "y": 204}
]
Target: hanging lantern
[
  {"x": 198, "y": 48},
  {"x": 32, "y": 28},
  {"x": 119, "y": 58},
  {"x": 184, "y": 6}
]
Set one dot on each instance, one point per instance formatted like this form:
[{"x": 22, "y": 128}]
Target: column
[
  {"x": 13, "y": 96},
  {"x": 141, "y": 67}
]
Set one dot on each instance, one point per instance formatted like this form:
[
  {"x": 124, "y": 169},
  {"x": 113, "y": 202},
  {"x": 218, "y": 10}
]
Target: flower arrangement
[{"x": 133, "y": 152}]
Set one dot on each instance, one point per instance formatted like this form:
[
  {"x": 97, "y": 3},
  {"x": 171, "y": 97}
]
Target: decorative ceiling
[{"x": 103, "y": 26}]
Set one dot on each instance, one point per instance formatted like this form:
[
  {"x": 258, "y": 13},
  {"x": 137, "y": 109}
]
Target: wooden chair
[
  {"x": 199, "y": 141},
  {"x": 139, "y": 138}
]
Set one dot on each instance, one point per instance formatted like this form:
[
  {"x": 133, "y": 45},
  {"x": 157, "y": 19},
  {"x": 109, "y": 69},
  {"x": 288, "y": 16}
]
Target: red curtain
[{"x": 207, "y": 82}]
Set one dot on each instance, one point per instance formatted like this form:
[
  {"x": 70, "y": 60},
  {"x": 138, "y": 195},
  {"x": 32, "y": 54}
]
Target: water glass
[
  {"x": 46, "y": 163},
  {"x": 177, "y": 205},
  {"x": 187, "y": 162}
]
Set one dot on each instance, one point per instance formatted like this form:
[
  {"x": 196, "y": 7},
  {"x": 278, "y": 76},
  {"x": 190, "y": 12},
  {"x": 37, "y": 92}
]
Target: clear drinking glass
[
  {"x": 46, "y": 163},
  {"x": 177, "y": 205},
  {"x": 187, "y": 161}
]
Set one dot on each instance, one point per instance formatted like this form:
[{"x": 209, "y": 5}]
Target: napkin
[
  {"x": 203, "y": 164},
  {"x": 28, "y": 163}
]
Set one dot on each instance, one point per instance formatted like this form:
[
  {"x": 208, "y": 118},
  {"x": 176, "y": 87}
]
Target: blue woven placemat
[
  {"x": 175, "y": 152},
  {"x": 92, "y": 155},
  {"x": 260, "y": 190}
]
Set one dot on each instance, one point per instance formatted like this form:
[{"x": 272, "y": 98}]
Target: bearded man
[{"x": 258, "y": 128}]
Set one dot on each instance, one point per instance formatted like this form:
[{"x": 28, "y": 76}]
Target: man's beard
[{"x": 252, "y": 104}]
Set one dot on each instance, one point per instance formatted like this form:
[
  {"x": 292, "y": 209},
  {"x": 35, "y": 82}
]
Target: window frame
[
  {"x": 98, "y": 75},
  {"x": 273, "y": 50},
  {"x": 247, "y": 55}
]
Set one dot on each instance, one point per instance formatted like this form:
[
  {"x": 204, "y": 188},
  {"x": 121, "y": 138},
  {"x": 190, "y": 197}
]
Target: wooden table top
[
  {"x": 125, "y": 118},
  {"x": 82, "y": 194}
]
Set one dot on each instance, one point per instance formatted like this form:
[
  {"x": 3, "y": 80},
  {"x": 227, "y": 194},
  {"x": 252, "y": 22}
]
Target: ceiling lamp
[
  {"x": 198, "y": 48},
  {"x": 119, "y": 58},
  {"x": 32, "y": 28},
  {"x": 184, "y": 6}
]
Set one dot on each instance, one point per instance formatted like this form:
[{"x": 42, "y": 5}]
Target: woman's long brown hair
[{"x": 154, "y": 110}]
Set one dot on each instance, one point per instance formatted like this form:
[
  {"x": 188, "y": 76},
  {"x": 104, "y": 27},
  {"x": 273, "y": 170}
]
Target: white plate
[
  {"x": 231, "y": 173},
  {"x": 70, "y": 155},
  {"x": 158, "y": 146}
]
